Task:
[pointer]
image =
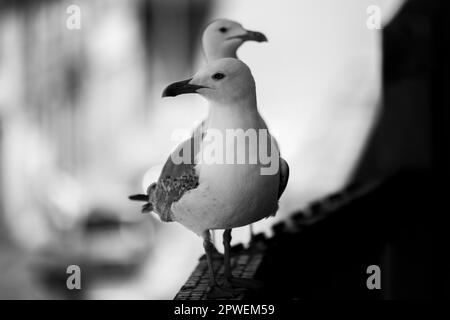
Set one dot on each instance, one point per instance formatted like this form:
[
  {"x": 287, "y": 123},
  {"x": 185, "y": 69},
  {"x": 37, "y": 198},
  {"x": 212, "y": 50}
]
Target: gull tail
[
  {"x": 138, "y": 197},
  {"x": 148, "y": 207}
]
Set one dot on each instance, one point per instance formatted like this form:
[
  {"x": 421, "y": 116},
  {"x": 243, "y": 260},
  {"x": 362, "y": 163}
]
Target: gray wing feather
[{"x": 175, "y": 179}]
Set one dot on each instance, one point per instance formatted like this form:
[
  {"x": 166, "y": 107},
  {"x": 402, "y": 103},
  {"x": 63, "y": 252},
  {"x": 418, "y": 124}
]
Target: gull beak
[
  {"x": 180, "y": 87},
  {"x": 251, "y": 36}
]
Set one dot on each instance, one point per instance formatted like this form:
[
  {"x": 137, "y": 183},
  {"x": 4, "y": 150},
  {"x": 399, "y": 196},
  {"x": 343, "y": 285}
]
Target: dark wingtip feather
[
  {"x": 138, "y": 197},
  {"x": 148, "y": 207}
]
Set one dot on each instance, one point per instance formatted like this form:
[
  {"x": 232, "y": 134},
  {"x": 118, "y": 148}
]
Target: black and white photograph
[{"x": 224, "y": 155}]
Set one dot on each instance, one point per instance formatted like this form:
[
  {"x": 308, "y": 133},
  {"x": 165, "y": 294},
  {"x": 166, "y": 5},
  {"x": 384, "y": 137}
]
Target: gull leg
[
  {"x": 215, "y": 291},
  {"x": 216, "y": 254},
  {"x": 252, "y": 233},
  {"x": 227, "y": 256},
  {"x": 230, "y": 280}
]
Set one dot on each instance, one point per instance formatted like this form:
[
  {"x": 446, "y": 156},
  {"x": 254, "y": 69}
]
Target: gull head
[
  {"x": 225, "y": 81},
  {"x": 222, "y": 38}
]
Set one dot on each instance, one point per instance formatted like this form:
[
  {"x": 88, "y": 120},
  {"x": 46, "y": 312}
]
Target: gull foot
[{"x": 217, "y": 292}]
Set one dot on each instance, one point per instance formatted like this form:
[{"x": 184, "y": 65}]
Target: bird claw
[{"x": 217, "y": 292}]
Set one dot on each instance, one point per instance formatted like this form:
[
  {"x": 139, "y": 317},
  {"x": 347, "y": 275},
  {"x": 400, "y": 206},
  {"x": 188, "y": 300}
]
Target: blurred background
[{"x": 81, "y": 122}]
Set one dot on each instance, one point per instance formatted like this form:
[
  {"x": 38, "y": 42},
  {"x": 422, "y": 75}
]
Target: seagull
[
  {"x": 205, "y": 195},
  {"x": 221, "y": 39}
]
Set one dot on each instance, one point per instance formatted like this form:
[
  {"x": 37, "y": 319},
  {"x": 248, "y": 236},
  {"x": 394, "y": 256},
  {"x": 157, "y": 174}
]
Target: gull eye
[
  {"x": 218, "y": 76},
  {"x": 223, "y": 29}
]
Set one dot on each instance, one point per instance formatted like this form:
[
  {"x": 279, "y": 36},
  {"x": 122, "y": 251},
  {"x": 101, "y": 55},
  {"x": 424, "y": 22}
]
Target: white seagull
[
  {"x": 207, "y": 195},
  {"x": 221, "y": 39}
]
